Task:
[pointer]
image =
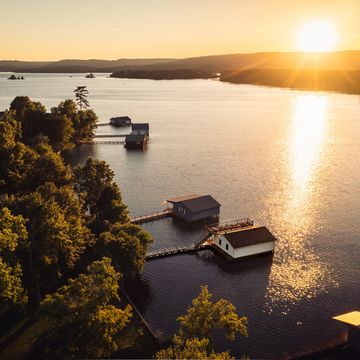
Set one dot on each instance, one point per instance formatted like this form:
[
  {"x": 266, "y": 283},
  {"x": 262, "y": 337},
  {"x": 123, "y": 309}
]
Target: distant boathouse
[
  {"x": 120, "y": 121},
  {"x": 140, "y": 129}
]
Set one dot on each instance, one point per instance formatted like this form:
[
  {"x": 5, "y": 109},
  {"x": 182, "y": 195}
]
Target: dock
[
  {"x": 174, "y": 251},
  {"x": 151, "y": 217},
  {"x": 101, "y": 142},
  {"x": 230, "y": 225},
  {"x": 103, "y": 124},
  {"x": 109, "y": 135}
]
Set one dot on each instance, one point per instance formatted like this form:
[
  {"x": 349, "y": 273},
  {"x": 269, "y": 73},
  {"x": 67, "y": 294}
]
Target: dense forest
[
  {"x": 164, "y": 74},
  {"x": 347, "y": 82},
  {"x": 67, "y": 245}
]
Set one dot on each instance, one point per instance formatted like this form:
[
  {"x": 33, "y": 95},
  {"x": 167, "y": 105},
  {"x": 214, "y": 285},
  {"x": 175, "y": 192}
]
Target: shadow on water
[
  {"x": 166, "y": 288},
  {"x": 140, "y": 292},
  {"x": 79, "y": 154}
]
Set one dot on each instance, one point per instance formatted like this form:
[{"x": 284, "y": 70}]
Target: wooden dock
[
  {"x": 103, "y": 124},
  {"x": 152, "y": 255},
  {"x": 110, "y": 135},
  {"x": 102, "y": 142},
  {"x": 230, "y": 225},
  {"x": 151, "y": 217}
]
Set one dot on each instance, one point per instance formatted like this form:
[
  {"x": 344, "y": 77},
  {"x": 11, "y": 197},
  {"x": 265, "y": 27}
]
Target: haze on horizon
[{"x": 113, "y": 29}]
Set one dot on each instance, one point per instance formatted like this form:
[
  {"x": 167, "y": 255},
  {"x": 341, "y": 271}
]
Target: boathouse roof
[
  {"x": 140, "y": 126},
  {"x": 249, "y": 236},
  {"x": 196, "y": 203},
  {"x": 352, "y": 318},
  {"x": 135, "y": 137},
  {"x": 120, "y": 118}
]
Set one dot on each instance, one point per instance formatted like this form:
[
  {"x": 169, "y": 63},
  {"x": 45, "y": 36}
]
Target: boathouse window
[
  {"x": 220, "y": 242},
  {"x": 181, "y": 210},
  {"x": 227, "y": 247}
]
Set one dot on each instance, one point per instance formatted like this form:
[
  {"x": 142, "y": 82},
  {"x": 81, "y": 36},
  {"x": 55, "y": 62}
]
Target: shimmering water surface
[{"x": 287, "y": 159}]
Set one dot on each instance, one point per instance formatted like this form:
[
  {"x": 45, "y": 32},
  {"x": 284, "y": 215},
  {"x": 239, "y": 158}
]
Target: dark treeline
[
  {"x": 340, "y": 81},
  {"x": 164, "y": 74},
  {"x": 65, "y": 235}
]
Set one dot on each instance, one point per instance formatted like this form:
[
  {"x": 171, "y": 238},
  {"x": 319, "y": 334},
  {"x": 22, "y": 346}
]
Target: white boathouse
[{"x": 247, "y": 241}]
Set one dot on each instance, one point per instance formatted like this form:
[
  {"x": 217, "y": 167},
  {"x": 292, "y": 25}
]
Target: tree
[
  {"x": 31, "y": 115},
  {"x": 205, "y": 316},
  {"x": 10, "y": 131},
  {"x": 193, "y": 348},
  {"x": 13, "y": 235},
  {"x": 127, "y": 245},
  {"x": 59, "y": 130},
  {"x": 16, "y": 167},
  {"x": 81, "y": 94},
  {"x": 102, "y": 197},
  {"x": 86, "y": 323},
  {"x": 48, "y": 167},
  {"x": 83, "y": 121},
  {"x": 197, "y": 327},
  {"x": 57, "y": 234}
]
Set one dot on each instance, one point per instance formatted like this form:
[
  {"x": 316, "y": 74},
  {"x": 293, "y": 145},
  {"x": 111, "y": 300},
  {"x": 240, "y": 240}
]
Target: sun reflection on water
[
  {"x": 297, "y": 271},
  {"x": 310, "y": 116}
]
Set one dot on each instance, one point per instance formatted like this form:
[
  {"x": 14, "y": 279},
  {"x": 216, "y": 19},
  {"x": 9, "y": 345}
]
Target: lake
[{"x": 288, "y": 159}]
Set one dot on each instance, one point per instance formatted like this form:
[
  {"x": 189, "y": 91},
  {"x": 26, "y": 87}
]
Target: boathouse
[
  {"x": 191, "y": 208},
  {"x": 140, "y": 129},
  {"x": 248, "y": 241},
  {"x": 120, "y": 121},
  {"x": 134, "y": 141},
  {"x": 352, "y": 320}
]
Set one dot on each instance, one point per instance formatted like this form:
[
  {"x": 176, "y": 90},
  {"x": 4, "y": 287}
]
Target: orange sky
[{"x": 112, "y": 29}]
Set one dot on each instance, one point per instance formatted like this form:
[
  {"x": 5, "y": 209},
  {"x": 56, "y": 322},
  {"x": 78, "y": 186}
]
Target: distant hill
[
  {"x": 347, "y": 82},
  {"x": 343, "y": 60},
  {"x": 71, "y": 66}
]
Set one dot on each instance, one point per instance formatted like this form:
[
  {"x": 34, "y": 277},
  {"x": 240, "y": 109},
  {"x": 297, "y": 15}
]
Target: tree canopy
[
  {"x": 193, "y": 348},
  {"x": 102, "y": 197},
  {"x": 206, "y": 316},
  {"x": 13, "y": 235},
  {"x": 84, "y": 316},
  {"x": 195, "y": 336},
  {"x": 127, "y": 245}
]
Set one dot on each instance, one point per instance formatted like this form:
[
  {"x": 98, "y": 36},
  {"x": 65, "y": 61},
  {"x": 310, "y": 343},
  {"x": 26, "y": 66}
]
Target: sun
[{"x": 317, "y": 36}]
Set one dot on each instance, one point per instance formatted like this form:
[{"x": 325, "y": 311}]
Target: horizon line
[{"x": 188, "y": 57}]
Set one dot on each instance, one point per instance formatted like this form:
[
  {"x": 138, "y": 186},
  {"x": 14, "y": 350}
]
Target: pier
[
  {"x": 101, "y": 142},
  {"x": 110, "y": 136},
  {"x": 103, "y": 124},
  {"x": 174, "y": 251},
  {"x": 230, "y": 225},
  {"x": 151, "y": 217}
]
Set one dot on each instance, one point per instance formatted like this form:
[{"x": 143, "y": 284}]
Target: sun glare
[{"x": 317, "y": 36}]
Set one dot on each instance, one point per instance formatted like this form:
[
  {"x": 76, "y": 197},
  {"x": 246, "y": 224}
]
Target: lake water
[{"x": 287, "y": 159}]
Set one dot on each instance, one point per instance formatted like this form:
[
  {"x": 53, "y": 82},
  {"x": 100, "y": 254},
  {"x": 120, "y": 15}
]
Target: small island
[
  {"x": 14, "y": 77},
  {"x": 164, "y": 74}
]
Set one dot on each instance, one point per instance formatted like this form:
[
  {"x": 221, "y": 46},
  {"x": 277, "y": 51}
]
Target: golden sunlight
[{"x": 317, "y": 36}]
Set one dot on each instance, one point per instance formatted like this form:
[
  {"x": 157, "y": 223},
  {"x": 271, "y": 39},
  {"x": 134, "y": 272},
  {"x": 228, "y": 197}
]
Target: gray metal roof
[
  {"x": 249, "y": 236},
  {"x": 135, "y": 137},
  {"x": 142, "y": 126},
  {"x": 196, "y": 203},
  {"x": 120, "y": 118}
]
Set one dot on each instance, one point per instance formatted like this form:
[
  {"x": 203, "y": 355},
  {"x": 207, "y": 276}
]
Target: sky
[{"x": 113, "y": 29}]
